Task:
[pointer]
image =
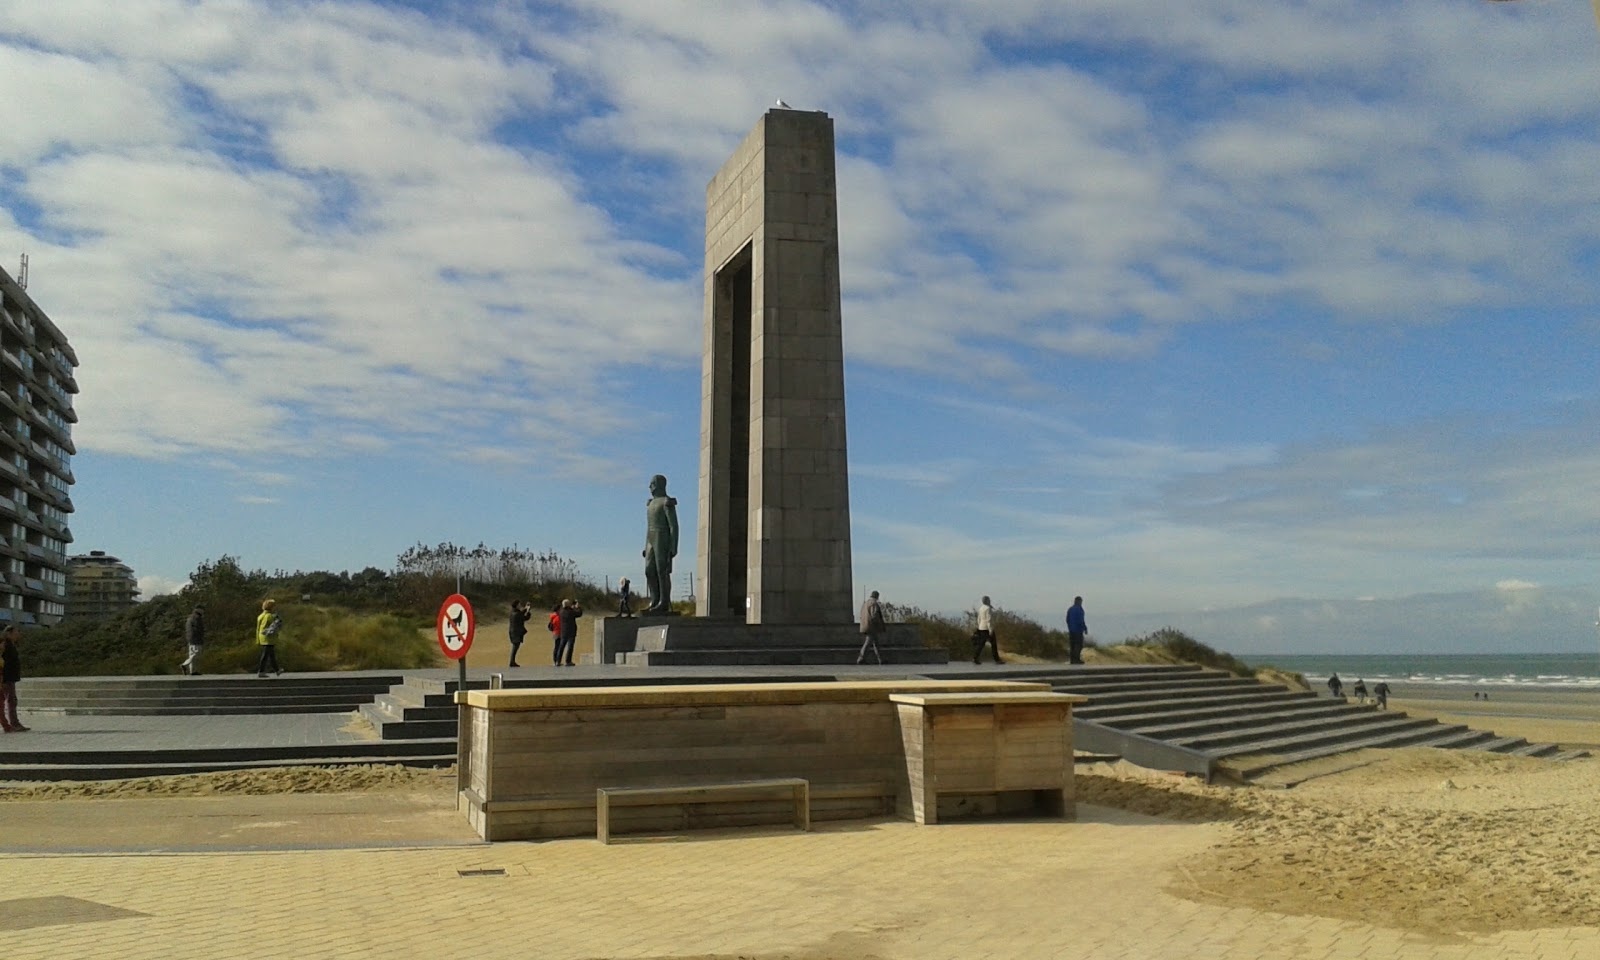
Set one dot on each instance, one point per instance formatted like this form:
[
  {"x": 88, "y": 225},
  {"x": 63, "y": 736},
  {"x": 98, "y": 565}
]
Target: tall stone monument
[
  {"x": 773, "y": 540},
  {"x": 774, "y": 508}
]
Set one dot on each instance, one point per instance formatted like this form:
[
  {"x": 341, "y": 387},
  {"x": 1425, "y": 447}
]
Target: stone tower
[{"x": 774, "y": 506}]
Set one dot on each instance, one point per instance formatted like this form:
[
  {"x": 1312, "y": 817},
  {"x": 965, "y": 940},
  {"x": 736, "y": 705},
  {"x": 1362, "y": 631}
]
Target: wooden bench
[{"x": 791, "y": 788}]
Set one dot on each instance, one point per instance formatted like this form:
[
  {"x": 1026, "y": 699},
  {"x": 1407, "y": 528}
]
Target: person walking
[
  {"x": 1380, "y": 693},
  {"x": 1335, "y": 685},
  {"x": 984, "y": 635},
  {"x": 1360, "y": 690},
  {"x": 872, "y": 627},
  {"x": 625, "y": 606},
  {"x": 517, "y": 628},
  {"x": 567, "y": 638},
  {"x": 1077, "y": 629},
  {"x": 268, "y": 627},
  {"x": 10, "y": 676},
  {"x": 194, "y": 635}
]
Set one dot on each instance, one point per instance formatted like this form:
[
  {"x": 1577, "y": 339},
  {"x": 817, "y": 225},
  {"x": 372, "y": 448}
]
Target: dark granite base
[{"x": 706, "y": 642}]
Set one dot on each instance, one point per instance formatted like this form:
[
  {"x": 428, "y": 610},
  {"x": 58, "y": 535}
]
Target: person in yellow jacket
[{"x": 268, "y": 626}]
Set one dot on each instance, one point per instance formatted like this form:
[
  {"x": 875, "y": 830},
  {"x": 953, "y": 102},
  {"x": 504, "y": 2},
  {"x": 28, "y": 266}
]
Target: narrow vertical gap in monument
[{"x": 739, "y": 278}]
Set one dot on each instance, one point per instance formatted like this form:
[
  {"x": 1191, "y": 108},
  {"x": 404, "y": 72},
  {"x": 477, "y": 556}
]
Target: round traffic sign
[{"x": 456, "y": 626}]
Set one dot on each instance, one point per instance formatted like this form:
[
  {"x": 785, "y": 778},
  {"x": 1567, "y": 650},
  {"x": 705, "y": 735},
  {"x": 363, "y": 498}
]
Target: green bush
[
  {"x": 1186, "y": 648},
  {"x": 1017, "y": 634}
]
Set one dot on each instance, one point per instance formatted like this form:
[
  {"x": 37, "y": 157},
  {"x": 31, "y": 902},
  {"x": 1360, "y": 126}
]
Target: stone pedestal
[
  {"x": 706, "y": 642},
  {"x": 615, "y": 635}
]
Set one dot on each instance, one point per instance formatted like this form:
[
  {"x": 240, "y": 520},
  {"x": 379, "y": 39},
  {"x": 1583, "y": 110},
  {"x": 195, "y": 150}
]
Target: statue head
[{"x": 658, "y": 486}]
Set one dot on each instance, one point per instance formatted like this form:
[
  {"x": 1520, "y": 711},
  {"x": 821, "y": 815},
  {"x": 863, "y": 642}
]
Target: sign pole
[{"x": 456, "y": 625}]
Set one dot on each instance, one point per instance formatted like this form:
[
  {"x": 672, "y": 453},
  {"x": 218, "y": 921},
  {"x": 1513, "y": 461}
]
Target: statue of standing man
[{"x": 660, "y": 545}]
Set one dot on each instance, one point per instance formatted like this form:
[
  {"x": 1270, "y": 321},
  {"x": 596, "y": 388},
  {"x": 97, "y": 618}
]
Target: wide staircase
[
  {"x": 197, "y": 696},
  {"x": 1195, "y": 720},
  {"x": 221, "y": 738}
]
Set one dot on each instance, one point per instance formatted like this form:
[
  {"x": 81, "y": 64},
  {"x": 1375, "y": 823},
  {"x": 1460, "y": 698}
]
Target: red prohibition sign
[{"x": 456, "y": 626}]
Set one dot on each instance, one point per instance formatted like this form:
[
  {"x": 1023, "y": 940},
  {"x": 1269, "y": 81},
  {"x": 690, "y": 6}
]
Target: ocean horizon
[{"x": 1559, "y": 671}]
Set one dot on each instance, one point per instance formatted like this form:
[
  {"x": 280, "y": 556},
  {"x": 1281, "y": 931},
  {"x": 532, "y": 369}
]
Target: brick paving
[{"x": 880, "y": 889}]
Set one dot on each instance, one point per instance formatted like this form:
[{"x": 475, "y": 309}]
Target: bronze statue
[{"x": 660, "y": 545}]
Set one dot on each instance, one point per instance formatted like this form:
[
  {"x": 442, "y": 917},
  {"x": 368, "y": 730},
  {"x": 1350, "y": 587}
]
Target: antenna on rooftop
[{"x": 22, "y": 273}]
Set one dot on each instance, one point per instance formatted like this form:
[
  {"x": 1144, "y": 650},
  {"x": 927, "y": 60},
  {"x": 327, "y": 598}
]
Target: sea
[{"x": 1531, "y": 671}]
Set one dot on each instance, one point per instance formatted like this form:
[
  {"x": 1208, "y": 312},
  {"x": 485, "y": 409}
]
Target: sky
[{"x": 1275, "y": 323}]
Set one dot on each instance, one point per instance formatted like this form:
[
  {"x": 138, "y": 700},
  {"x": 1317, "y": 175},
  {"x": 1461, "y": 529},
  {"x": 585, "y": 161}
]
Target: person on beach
[
  {"x": 567, "y": 637},
  {"x": 1380, "y": 693},
  {"x": 1336, "y": 686},
  {"x": 1077, "y": 629},
  {"x": 872, "y": 627},
  {"x": 268, "y": 626},
  {"x": 1360, "y": 690},
  {"x": 10, "y": 676},
  {"x": 625, "y": 605},
  {"x": 194, "y": 636},
  {"x": 985, "y": 633},
  {"x": 517, "y": 628}
]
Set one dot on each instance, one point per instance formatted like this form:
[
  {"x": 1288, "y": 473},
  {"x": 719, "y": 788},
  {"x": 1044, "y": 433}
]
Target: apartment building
[
  {"x": 99, "y": 585},
  {"x": 36, "y": 388}
]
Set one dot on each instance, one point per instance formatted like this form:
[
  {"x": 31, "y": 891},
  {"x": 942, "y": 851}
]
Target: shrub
[
  {"x": 1183, "y": 647},
  {"x": 1017, "y": 634}
]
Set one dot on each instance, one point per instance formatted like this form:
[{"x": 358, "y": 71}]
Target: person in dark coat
[
  {"x": 517, "y": 628},
  {"x": 873, "y": 628},
  {"x": 194, "y": 636},
  {"x": 571, "y": 610},
  {"x": 10, "y": 676}
]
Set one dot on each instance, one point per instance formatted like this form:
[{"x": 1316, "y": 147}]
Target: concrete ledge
[
  {"x": 736, "y": 694},
  {"x": 977, "y": 699}
]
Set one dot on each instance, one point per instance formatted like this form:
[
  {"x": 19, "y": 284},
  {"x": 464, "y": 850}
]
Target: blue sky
[{"x": 1275, "y": 323}]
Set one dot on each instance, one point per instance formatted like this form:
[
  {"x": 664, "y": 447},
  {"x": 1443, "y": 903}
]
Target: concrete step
[
  {"x": 1243, "y": 717},
  {"x": 28, "y": 774},
  {"x": 241, "y": 704},
  {"x": 1502, "y": 744},
  {"x": 1532, "y": 749},
  {"x": 1565, "y": 755},
  {"x": 1115, "y": 714},
  {"x": 1127, "y": 716},
  {"x": 196, "y": 711},
  {"x": 1252, "y": 765},
  {"x": 1344, "y": 737},
  {"x": 1169, "y": 692},
  {"x": 777, "y": 657},
  {"x": 355, "y": 749},
  {"x": 198, "y": 696},
  {"x": 1287, "y": 728},
  {"x": 1113, "y": 689},
  {"x": 1464, "y": 738}
]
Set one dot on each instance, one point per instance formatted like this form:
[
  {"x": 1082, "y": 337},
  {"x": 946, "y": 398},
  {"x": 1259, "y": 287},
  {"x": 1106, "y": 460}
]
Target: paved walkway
[{"x": 851, "y": 891}]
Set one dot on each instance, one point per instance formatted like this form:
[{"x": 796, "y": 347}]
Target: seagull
[{"x": 784, "y": 106}]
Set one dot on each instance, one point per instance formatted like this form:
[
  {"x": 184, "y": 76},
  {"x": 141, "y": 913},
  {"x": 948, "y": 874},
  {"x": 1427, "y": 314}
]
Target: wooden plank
[{"x": 796, "y": 790}]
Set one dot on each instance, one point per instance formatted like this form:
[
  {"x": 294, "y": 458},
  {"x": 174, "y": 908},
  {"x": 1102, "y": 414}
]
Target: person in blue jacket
[{"x": 1077, "y": 629}]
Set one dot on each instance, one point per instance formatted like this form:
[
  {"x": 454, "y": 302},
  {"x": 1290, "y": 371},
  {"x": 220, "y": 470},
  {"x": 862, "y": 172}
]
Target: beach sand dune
[{"x": 1440, "y": 841}]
